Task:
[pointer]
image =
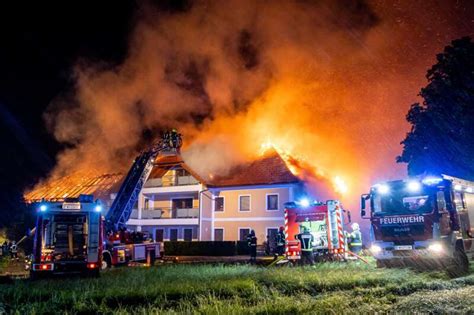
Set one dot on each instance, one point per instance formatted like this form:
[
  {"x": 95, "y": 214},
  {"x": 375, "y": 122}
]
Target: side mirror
[{"x": 363, "y": 198}]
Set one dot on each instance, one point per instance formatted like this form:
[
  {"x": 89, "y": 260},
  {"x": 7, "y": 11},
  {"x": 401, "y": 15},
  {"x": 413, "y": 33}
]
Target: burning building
[{"x": 177, "y": 203}]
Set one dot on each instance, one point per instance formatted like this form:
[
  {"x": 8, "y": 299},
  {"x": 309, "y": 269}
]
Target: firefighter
[
  {"x": 252, "y": 243},
  {"x": 5, "y": 249},
  {"x": 355, "y": 239},
  {"x": 14, "y": 251},
  {"x": 280, "y": 242},
  {"x": 175, "y": 138},
  {"x": 166, "y": 139},
  {"x": 306, "y": 240}
]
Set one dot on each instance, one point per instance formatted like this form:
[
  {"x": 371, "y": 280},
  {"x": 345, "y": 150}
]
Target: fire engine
[
  {"x": 324, "y": 220},
  {"x": 73, "y": 236},
  {"x": 421, "y": 220},
  {"x": 68, "y": 237}
]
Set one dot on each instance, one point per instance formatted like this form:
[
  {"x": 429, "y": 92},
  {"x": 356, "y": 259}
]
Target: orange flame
[{"x": 299, "y": 166}]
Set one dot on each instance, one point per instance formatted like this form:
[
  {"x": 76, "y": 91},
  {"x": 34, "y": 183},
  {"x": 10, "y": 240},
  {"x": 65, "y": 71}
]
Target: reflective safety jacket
[
  {"x": 280, "y": 238},
  {"x": 251, "y": 240},
  {"x": 306, "y": 240},
  {"x": 356, "y": 238}
]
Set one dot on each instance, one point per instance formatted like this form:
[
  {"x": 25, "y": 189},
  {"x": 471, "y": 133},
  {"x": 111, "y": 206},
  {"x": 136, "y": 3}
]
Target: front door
[
  {"x": 188, "y": 235},
  {"x": 271, "y": 237},
  {"x": 173, "y": 235},
  {"x": 159, "y": 235}
]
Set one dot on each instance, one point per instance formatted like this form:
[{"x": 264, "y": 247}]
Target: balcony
[
  {"x": 167, "y": 181},
  {"x": 165, "y": 216},
  {"x": 167, "y": 213}
]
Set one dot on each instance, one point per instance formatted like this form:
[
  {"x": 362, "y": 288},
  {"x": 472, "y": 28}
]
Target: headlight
[
  {"x": 414, "y": 186},
  {"x": 375, "y": 249},
  {"x": 383, "y": 189},
  {"x": 435, "y": 248}
]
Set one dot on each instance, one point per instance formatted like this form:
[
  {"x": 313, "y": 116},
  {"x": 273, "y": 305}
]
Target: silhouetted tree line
[{"x": 441, "y": 139}]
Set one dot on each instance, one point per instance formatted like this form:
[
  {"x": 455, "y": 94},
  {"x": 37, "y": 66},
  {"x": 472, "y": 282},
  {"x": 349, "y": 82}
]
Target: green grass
[{"x": 328, "y": 288}]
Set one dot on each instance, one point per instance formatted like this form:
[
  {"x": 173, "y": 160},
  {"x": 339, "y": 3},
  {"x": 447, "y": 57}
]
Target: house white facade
[{"x": 179, "y": 205}]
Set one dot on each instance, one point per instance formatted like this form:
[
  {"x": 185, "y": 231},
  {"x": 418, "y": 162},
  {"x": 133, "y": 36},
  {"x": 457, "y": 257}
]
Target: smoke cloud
[{"x": 327, "y": 81}]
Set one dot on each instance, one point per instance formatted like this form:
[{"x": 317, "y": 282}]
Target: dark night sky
[{"x": 40, "y": 43}]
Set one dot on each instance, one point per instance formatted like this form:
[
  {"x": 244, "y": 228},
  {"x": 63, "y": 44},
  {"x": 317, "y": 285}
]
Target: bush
[{"x": 226, "y": 248}]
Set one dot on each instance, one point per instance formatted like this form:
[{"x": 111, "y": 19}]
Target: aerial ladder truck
[{"x": 72, "y": 235}]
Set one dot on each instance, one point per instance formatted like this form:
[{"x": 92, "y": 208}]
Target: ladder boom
[{"x": 127, "y": 196}]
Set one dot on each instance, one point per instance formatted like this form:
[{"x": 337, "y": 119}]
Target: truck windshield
[{"x": 399, "y": 201}]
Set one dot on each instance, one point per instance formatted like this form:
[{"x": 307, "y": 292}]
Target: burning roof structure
[
  {"x": 270, "y": 168},
  {"x": 101, "y": 186}
]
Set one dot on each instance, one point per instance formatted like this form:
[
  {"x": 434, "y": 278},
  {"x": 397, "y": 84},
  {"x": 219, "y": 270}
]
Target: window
[
  {"x": 244, "y": 203},
  {"x": 271, "y": 235},
  {"x": 146, "y": 204},
  {"x": 441, "y": 201},
  {"x": 159, "y": 233},
  {"x": 459, "y": 201},
  {"x": 185, "y": 203},
  {"x": 173, "y": 235},
  {"x": 182, "y": 172},
  {"x": 243, "y": 233},
  {"x": 219, "y": 204},
  {"x": 188, "y": 235},
  {"x": 218, "y": 235},
  {"x": 272, "y": 202}
]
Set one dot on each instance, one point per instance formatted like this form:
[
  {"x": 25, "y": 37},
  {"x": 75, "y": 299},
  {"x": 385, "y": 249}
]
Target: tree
[{"x": 441, "y": 139}]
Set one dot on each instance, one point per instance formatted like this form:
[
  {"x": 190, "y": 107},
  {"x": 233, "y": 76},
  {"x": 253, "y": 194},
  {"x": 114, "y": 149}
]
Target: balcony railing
[
  {"x": 167, "y": 181},
  {"x": 168, "y": 213}
]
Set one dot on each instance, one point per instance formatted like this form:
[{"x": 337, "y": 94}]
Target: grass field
[{"x": 327, "y": 288}]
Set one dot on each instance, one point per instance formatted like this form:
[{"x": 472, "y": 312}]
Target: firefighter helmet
[
  {"x": 355, "y": 226},
  {"x": 282, "y": 228}
]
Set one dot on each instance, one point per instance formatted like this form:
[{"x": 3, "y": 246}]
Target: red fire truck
[
  {"x": 423, "y": 220},
  {"x": 73, "y": 236},
  {"x": 68, "y": 237},
  {"x": 324, "y": 220}
]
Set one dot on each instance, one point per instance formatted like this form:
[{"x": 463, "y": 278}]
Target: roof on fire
[
  {"x": 268, "y": 170},
  {"x": 101, "y": 186}
]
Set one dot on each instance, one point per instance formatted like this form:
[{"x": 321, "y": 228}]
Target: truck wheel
[
  {"x": 37, "y": 275},
  {"x": 93, "y": 273},
  {"x": 106, "y": 262},
  {"x": 381, "y": 264},
  {"x": 459, "y": 264},
  {"x": 33, "y": 275}
]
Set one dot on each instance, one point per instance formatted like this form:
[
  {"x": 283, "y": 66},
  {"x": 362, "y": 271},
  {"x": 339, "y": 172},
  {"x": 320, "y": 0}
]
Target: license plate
[{"x": 403, "y": 247}]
